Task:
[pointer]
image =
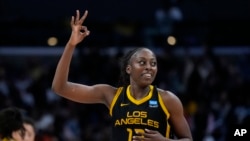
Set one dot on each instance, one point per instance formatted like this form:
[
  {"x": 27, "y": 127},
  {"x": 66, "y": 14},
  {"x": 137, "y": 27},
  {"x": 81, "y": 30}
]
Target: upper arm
[
  {"x": 99, "y": 93},
  {"x": 177, "y": 119}
]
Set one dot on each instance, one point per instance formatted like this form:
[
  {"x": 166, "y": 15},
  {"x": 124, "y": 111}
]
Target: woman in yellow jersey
[
  {"x": 11, "y": 125},
  {"x": 139, "y": 110}
]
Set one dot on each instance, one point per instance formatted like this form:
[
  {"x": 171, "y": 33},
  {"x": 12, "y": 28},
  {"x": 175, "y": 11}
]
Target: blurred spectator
[
  {"x": 30, "y": 129},
  {"x": 11, "y": 124}
]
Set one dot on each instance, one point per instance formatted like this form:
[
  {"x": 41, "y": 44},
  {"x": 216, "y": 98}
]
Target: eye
[
  {"x": 142, "y": 62},
  {"x": 153, "y": 63}
]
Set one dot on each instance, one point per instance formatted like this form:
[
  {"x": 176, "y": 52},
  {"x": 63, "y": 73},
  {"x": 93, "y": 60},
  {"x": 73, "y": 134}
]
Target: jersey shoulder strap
[{"x": 117, "y": 94}]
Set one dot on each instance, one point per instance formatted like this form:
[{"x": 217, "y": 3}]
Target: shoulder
[
  {"x": 171, "y": 100},
  {"x": 167, "y": 95}
]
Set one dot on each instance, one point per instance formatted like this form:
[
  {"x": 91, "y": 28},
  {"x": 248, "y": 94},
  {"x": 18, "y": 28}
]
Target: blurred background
[{"x": 203, "y": 50}]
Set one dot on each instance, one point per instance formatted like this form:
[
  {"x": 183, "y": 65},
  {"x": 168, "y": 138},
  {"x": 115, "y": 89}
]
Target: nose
[{"x": 148, "y": 66}]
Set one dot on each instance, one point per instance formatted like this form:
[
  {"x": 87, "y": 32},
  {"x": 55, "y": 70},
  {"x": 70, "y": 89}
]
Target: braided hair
[{"x": 124, "y": 61}]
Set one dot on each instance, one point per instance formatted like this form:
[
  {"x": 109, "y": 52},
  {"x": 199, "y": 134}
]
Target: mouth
[{"x": 147, "y": 75}]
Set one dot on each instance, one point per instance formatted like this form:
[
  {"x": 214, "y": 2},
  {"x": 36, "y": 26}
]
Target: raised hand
[{"x": 79, "y": 32}]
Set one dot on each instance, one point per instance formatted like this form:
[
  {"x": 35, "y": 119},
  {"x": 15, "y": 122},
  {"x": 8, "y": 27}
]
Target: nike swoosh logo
[{"x": 124, "y": 104}]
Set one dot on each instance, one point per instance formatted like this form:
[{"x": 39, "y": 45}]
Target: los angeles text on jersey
[{"x": 137, "y": 117}]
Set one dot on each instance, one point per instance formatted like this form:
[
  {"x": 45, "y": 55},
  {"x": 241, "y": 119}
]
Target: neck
[{"x": 139, "y": 92}]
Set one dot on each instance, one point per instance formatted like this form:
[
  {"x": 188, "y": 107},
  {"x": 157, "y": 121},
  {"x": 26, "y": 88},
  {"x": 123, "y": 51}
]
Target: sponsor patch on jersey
[{"x": 153, "y": 103}]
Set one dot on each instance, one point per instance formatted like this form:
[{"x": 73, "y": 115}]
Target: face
[
  {"x": 142, "y": 67},
  {"x": 29, "y": 132}
]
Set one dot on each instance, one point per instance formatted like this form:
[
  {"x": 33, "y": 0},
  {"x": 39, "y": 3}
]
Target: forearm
[{"x": 62, "y": 69}]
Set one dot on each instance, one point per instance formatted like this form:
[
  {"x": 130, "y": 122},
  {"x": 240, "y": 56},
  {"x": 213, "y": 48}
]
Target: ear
[{"x": 128, "y": 69}]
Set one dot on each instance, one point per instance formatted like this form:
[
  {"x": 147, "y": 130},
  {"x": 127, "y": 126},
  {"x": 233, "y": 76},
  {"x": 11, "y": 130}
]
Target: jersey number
[{"x": 130, "y": 133}]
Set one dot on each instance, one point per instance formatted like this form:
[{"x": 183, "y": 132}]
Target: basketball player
[{"x": 139, "y": 110}]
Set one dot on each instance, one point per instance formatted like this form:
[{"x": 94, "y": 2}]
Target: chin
[{"x": 146, "y": 83}]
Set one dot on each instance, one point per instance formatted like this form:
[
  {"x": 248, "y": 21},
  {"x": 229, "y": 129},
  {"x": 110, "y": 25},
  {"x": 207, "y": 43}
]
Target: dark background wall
[{"x": 30, "y": 22}]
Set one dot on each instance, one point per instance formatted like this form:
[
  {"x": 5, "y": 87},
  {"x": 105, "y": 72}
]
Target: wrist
[{"x": 70, "y": 44}]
